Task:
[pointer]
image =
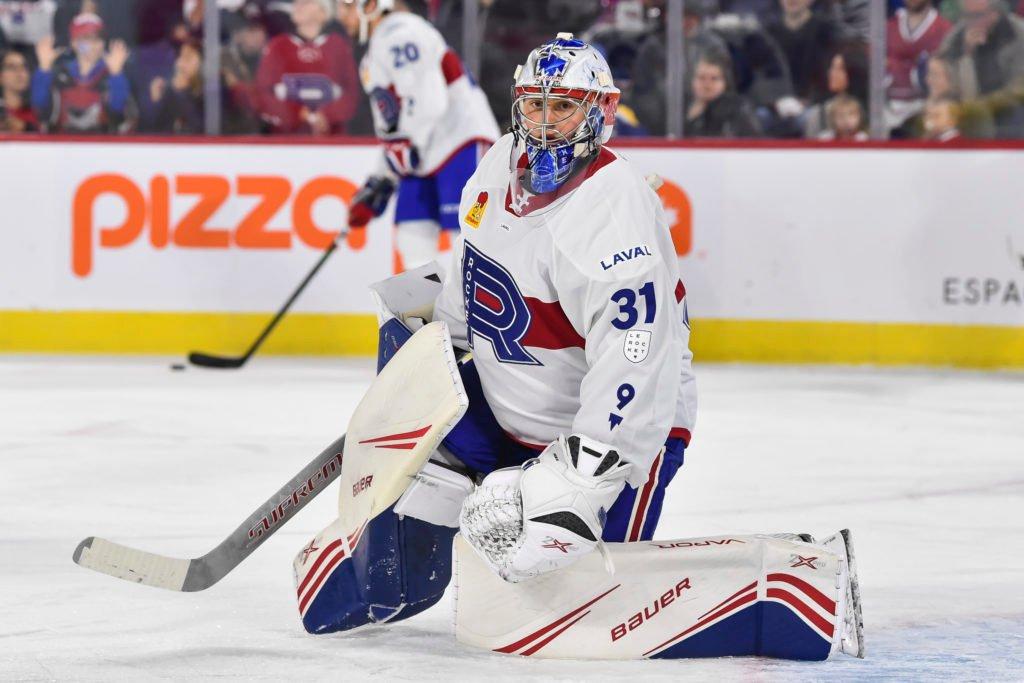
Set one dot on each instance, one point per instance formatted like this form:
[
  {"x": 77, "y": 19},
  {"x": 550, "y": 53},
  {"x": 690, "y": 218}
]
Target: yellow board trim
[
  {"x": 769, "y": 341},
  {"x": 323, "y": 334},
  {"x": 177, "y": 333}
]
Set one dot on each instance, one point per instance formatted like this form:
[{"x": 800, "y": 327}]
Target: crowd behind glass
[{"x": 750, "y": 68}]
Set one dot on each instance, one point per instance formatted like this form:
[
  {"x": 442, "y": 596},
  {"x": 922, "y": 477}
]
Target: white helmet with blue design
[{"x": 563, "y": 110}]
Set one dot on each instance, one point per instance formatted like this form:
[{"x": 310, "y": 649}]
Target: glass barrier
[{"x": 789, "y": 69}]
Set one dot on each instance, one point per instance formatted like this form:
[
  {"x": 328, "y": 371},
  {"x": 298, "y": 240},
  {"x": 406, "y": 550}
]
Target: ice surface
[{"x": 926, "y": 468}]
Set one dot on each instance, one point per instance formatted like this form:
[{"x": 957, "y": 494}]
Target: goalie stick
[
  {"x": 415, "y": 400},
  {"x": 200, "y": 573}
]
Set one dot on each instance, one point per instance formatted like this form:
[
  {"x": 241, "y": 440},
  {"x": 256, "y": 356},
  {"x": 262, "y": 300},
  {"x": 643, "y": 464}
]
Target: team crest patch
[
  {"x": 476, "y": 212},
  {"x": 637, "y": 345}
]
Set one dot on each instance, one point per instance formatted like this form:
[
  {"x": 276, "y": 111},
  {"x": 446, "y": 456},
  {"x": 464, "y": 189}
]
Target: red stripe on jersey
[
  {"x": 451, "y": 67},
  {"x": 532, "y": 446},
  {"x": 680, "y": 433},
  {"x": 640, "y": 515},
  {"x": 680, "y": 291},
  {"x": 549, "y": 327}
]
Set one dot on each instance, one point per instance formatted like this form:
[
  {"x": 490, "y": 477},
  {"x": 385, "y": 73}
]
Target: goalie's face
[{"x": 551, "y": 121}]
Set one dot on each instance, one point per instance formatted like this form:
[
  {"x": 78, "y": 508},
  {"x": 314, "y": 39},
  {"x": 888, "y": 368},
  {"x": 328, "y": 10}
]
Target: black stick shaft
[
  {"x": 295, "y": 295},
  {"x": 211, "y": 361}
]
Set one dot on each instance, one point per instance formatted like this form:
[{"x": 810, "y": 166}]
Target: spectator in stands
[
  {"x": 307, "y": 80},
  {"x": 851, "y": 19},
  {"x": 509, "y": 29},
  {"x": 747, "y": 8},
  {"x": 648, "y": 98},
  {"x": 808, "y": 42},
  {"x": 86, "y": 93},
  {"x": 618, "y": 38},
  {"x": 974, "y": 117},
  {"x": 274, "y": 15},
  {"x": 914, "y": 33},
  {"x": 239, "y": 62},
  {"x": 938, "y": 78},
  {"x": 179, "y": 101},
  {"x": 847, "y": 75},
  {"x": 845, "y": 120},
  {"x": 941, "y": 119},
  {"x": 122, "y": 19},
  {"x": 717, "y": 111},
  {"x": 986, "y": 51},
  {"x": 760, "y": 71},
  {"x": 16, "y": 115},
  {"x": 230, "y": 12},
  {"x": 23, "y": 23},
  {"x": 151, "y": 67}
]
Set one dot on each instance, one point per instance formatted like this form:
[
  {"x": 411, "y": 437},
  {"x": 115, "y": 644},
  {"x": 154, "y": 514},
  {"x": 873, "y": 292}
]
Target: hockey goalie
[{"x": 569, "y": 319}]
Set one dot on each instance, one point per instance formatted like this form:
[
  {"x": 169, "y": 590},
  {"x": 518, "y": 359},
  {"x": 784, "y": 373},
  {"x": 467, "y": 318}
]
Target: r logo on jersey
[
  {"x": 495, "y": 308},
  {"x": 637, "y": 345},
  {"x": 476, "y": 212}
]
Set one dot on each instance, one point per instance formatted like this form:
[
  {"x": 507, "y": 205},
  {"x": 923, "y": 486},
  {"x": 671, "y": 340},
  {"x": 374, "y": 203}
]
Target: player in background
[
  {"x": 570, "y": 298},
  {"x": 430, "y": 116}
]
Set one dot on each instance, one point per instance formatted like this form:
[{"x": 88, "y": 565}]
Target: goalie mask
[{"x": 563, "y": 110}]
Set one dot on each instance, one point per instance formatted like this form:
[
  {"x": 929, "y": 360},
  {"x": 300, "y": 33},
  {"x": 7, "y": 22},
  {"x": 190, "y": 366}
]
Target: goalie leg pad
[
  {"x": 371, "y": 565},
  {"x": 400, "y": 567},
  {"x": 700, "y": 597}
]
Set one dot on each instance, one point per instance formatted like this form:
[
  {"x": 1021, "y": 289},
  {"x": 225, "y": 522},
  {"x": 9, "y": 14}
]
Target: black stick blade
[{"x": 222, "y": 362}]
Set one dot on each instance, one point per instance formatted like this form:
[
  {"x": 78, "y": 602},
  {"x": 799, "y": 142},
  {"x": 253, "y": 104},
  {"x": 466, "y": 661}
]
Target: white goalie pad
[
  {"x": 661, "y": 594},
  {"x": 412, "y": 404}
]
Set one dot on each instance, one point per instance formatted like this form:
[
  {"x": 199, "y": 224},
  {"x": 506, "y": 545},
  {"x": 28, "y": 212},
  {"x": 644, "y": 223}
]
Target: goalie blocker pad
[{"x": 704, "y": 597}]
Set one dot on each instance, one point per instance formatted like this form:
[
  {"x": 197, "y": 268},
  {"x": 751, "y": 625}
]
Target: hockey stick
[
  {"x": 395, "y": 413},
  {"x": 207, "y": 360},
  {"x": 199, "y": 573}
]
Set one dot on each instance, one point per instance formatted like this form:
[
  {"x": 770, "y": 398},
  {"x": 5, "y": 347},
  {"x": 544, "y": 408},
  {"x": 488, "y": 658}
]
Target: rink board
[{"x": 905, "y": 256}]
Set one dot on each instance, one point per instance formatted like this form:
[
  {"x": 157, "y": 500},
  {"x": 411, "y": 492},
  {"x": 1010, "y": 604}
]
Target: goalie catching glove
[{"x": 548, "y": 514}]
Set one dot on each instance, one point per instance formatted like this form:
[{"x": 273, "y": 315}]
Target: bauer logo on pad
[
  {"x": 476, "y": 212},
  {"x": 637, "y": 345}
]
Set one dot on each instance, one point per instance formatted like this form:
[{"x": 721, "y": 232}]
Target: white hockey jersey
[
  {"x": 420, "y": 91},
  {"x": 573, "y": 307}
]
